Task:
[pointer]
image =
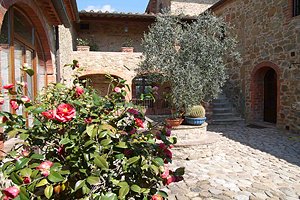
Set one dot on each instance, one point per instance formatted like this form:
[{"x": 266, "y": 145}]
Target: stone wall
[
  {"x": 109, "y": 35},
  {"x": 268, "y": 37},
  {"x": 190, "y": 7}
]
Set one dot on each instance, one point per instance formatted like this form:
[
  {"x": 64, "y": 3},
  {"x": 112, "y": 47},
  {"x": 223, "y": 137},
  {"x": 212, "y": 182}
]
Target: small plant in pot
[{"x": 195, "y": 115}]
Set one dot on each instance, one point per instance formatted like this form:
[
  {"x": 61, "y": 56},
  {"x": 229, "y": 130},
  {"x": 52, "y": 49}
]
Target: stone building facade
[
  {"x": 186, "y": 7},
  {"x": 265, "y": 86}
]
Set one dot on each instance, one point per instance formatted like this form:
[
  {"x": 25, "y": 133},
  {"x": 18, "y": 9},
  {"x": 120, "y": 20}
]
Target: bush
[{"x": 82, "y": 146}]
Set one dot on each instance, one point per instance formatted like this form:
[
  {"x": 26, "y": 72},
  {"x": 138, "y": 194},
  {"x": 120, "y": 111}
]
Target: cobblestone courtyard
[{"x": 242, "y": 163}]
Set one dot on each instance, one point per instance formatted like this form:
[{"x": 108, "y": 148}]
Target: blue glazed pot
[{"x": 195, "y": 121}]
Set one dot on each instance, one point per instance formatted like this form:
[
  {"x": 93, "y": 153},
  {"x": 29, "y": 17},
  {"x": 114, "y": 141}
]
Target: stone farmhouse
[{"x": 265, "y": 86}]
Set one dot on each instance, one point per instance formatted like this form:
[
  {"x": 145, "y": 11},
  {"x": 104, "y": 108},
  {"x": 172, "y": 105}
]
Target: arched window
[{"x": 19, "y": 44}]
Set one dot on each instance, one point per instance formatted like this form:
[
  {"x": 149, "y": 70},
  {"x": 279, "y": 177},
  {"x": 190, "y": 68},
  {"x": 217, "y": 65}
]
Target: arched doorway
[
  {"x": 264, "y": 93},
  {"x": 270, "y": 96}
]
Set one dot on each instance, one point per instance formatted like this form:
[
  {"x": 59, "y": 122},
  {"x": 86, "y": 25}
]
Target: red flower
[
  {"x": 168, "y": 153},
  {"x": 8, "y": 86},
  {"x": 168, "y": 132},
  {"x": 162, "y": 146},
  {"x": 79, "y": 91},
  {"x": 48, "y": 114},
  {"x": 27, "y": 180},
  {"x": 88, "y": 120},
  {"x": 166, "y": 172},
  {"x": 65, "y": 112},
  {"x": 133, "y": 111},
  {"x": 157, "y": 197},
  {"x": 11, "y": 192},
  {"x": 25, "y": 99},
  {"x": 61, "y": 150},
  {"x": 170, "y": 180},
  {"x": 44, "y": 167},
  {"x": 1, "y": 101},
  {"x": 139, "y": 122},
  {"x": 14, "y": 104},
  {"x": 4, "y": 119}
]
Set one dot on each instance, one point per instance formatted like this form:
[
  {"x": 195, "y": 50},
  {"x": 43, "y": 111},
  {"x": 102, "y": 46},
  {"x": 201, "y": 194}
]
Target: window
[
  {"x": 19, "y": 44},
  {"x": 296, "y": 7}
]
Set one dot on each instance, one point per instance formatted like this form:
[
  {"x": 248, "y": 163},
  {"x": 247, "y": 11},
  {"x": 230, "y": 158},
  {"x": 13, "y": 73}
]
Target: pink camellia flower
[
  {"x": 170, "y": 180},
  {"x": 25, "y": 99},
  {"x": 166, "y": 172},
  {"x": 168, "y": 132},
  {"x": 48, "y": 114},
  {"x": 162, "y": 146},
  {"x": 133, "y": 111},
  {"x": 25, "y": 153},
  {"x": 14, "y": 104},
  {"x": 139, "y": 122},
  {"x": 88, "y": 120},
  {"x": 11, "y": 192},
  {"x": 8, "y": 86},
  {"x": 26, "y": 180},
  {"x": 117, "y": 89},
  {"x": 65, "y": 112},
  {"x": 44, "y": 167},
  {"x": 1, "y": 101},
  {"x": 157, "y": 197},
  {"x": 79, "y": 91}
]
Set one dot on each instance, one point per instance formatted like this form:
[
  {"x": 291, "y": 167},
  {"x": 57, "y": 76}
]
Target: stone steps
[{"x": 223, "y": 112}]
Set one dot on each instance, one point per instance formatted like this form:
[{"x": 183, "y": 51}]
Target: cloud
[{"x": 105, "y": 8}]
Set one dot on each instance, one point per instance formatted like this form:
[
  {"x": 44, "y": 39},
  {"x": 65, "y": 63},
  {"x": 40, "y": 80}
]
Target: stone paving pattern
[{"x": 242, "y": 163}]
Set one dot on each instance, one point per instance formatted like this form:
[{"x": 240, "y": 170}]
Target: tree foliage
[{"x": 189, "y": 55}]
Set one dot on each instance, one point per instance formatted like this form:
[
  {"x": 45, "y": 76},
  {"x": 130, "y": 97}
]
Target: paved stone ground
[{"x": 242, "y": 163}]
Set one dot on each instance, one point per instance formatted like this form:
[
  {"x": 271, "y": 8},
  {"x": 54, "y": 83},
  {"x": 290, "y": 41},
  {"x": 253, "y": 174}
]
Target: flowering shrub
[{"x": 82, "y": 146}]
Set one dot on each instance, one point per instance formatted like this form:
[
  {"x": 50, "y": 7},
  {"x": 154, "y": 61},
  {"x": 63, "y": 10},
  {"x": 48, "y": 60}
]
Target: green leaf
[
  {"x": 26, "y": 172},
  {"x": 24, "y": 136},
  {"x": 145, "y": 190},
  {"x": 101, "y": 162},
  {"x": 122, "y": 145},
  {"x": 55, "y": 177},
  {"x": 90, "y": 130},
  {"x": 105, "y": 142},
  {"x": 109, "y": 196},
  {"x": 31, "y": 187},
  {"x": 65, "y": 141},
  {"x": 23, "y": 194},
  {"x": 42, "y": 183},
  {"x": 136, "y": 188},
  {"x": 48, "y": 191},
  {"x": 163, "y": 194},
  {"x": 37, "y": 156},
  {"x": 60, "y": 86},
  {"x": 123, "y": 190},
  {"x": 93, "y": 180},
  {"x": 155, "y": 169},
  {"x": 179, "y": 171},
  {"x": 133, "y": 160},
  {"x": 38, "y": 110},
  {"x": 30, "y": 72},
  {"x": 79, "y": 184},
  {"x": 159, "y": 161},
  {"x": 16, "y": 178}
]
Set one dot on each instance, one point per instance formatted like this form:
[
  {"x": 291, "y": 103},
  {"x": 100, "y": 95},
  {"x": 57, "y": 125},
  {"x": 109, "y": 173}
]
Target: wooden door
[{"x": 270, "y": 96}]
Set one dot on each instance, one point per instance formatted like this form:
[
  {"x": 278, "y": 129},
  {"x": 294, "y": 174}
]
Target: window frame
[{"x": 296, "y": 8}]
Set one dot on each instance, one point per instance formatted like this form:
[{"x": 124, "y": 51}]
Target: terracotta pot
[{"x": 174, "y": 122}]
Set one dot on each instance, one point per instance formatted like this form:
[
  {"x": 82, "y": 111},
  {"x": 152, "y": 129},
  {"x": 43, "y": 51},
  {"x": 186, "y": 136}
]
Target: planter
[
  {"x": 127, "y": 49},
  {"x": 195, "y": 121},
  {"x": 83, "y": 48},
  {"x": 174, "y": 122}
]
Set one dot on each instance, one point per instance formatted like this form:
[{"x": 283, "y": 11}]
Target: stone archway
[{"x": 265, "y": 101}]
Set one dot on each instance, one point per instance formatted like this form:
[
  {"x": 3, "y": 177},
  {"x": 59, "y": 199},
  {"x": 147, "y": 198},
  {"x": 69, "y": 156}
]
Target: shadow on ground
[{"x": 269, "y": 140}]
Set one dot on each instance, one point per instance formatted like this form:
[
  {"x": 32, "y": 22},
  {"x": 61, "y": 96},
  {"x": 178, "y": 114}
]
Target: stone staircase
[{"x": 223, "y": 112}]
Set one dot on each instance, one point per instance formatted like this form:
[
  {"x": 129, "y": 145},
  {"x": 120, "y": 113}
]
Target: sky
[{"x": 135, "y": 6}]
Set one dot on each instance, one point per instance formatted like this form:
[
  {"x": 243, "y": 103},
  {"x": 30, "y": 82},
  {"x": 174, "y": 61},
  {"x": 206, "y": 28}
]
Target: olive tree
[{"x": 190, "y": 55}]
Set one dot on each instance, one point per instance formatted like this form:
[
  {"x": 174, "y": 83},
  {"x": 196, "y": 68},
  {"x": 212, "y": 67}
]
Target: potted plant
[
  {"x": 83, "y": 44},
  {"x": 195, "y": 115},
  {"x": 127, "y": 46}
]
